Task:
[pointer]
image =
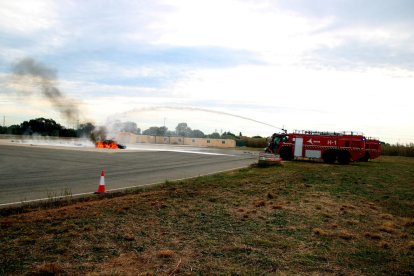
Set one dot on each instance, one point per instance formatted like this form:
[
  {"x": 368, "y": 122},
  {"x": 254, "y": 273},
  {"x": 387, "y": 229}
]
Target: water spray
[{"x": 184, "y": 108}]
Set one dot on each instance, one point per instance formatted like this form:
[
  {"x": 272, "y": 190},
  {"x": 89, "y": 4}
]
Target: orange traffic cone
[{"x": 101, "y": 187}]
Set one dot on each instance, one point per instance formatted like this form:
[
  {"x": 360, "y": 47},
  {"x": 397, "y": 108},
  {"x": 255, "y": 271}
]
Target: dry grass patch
[
  {"x": 6, "y": 223},
  {"x": 345, "y": 235},
  {"x": 403, "y": 236},
  {"x": 129, "y": 237},
  {"x": 302, "y": 219},
  {"x": 385, "y": 245},
  {"x": 387, "y": 216},
  {"x": 407, "y": 222},
  {"x": 333, "y": 226},
  {"x": 347, "y": 207},
  {"x": 322, "y": 232},
  {"x": 388, "y": 227},
  {"x": 373, "y": 236},
  {"x": 165, "y": 253},
  {"x": 125, "y": 264},
  {"x": 352, "y": 222},
  {"x": 48, "y": 268},
  {"x": 259, "y": 203}
]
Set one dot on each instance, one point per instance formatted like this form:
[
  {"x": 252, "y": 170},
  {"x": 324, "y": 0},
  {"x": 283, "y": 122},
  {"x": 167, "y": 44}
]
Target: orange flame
[{"x": 105, "y": 145}]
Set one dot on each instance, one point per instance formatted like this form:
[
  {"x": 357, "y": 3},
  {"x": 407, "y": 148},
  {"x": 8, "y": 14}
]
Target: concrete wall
[
  {"x": 130, "y": 138},
  {"x": 207, "y": 142}
]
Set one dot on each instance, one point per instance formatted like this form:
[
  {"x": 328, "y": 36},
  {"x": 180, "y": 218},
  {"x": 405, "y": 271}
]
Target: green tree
[
  {"x": 214, "y": 135},
  {"x": 3, "y": 130},
  {"x": 129, "y": 127},
  {"x": 68, "y": 132},
  {"x": 118, "y": 126},
  {"x": 182, "y": 129},
  {"x": 14, "y": 129},
  {"x": 158, "y": 131},
  {"x": 228, "y": 135},
  {"x": 162, "y": 131},
  {"x": 41, "y": 126},
  {"x": 197, "y": 134}
]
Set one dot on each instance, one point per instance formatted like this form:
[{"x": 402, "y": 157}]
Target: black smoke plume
[
  {"x": 32, "y": 74},
  {"x": 98, "y": 134}
]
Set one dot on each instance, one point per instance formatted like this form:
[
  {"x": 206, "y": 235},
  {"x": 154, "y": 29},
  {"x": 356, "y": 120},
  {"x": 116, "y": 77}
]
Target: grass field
[{"x": 298, "y": 218}]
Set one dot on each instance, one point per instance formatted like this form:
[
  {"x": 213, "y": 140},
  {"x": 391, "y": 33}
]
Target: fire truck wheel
[
  {"x": 329, "y": 157},
  {"x": 365, "y": 158},
  {"x": 343, "y": 157},
  {"x": 286, "y": 153}
]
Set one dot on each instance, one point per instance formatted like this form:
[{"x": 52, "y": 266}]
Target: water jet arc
[{"x": 137, "y": 110}]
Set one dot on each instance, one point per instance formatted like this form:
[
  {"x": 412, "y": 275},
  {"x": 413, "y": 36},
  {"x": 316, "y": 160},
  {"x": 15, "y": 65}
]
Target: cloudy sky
[{"x": 336, "y": 65}]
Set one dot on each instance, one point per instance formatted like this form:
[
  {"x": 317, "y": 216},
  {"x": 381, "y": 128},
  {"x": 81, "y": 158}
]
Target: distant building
[{"x": 130, "y": 138}]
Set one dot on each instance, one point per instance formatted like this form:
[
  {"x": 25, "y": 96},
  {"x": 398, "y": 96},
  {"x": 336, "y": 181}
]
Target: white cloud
[
  {"x": 280, "y": 37},
  {"x": 27, "y": 16},
  {"x": 238, "y": 25},
  {"x": 293, "y": 86},
  {"x": 97, "y": 69}
]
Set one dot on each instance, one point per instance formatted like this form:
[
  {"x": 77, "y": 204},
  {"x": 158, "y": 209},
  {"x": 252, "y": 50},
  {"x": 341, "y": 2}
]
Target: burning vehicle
[
  {"x": 109, "y": 144},
  {"x": 98, "y": 136}
]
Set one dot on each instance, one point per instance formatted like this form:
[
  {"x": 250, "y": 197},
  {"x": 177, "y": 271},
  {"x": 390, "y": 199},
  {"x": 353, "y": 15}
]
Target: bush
[
  {"x": 251, "y": 142},
  {"x": 398, "y": 150}
]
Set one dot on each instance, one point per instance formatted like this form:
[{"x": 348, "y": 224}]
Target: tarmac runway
[{"x": 32, "y": 171}]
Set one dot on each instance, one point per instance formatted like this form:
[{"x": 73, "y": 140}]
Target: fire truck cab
[
  {"x": 328, "y": 146},
  {"x": 372, "y": 149}
]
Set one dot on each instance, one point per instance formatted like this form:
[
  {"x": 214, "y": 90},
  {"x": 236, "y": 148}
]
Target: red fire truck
[
  {"x": 372, "y": 149},
  {"x": 328, "y": 146}
]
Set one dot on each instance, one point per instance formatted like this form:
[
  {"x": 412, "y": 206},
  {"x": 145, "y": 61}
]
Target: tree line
[
  {"x": 49, "y": 127},
  {"x": 39, "y": 126},
  {"x": 398, "y": 150}
]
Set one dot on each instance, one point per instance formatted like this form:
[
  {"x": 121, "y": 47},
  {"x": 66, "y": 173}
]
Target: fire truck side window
[{"x": 275, "y": 143}]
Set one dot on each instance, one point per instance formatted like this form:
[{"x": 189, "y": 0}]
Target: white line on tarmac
[
  {"x": 182, "y": 151},
  {"x": 117, "y": 189},
  {"x": 91, "y": 147}
]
